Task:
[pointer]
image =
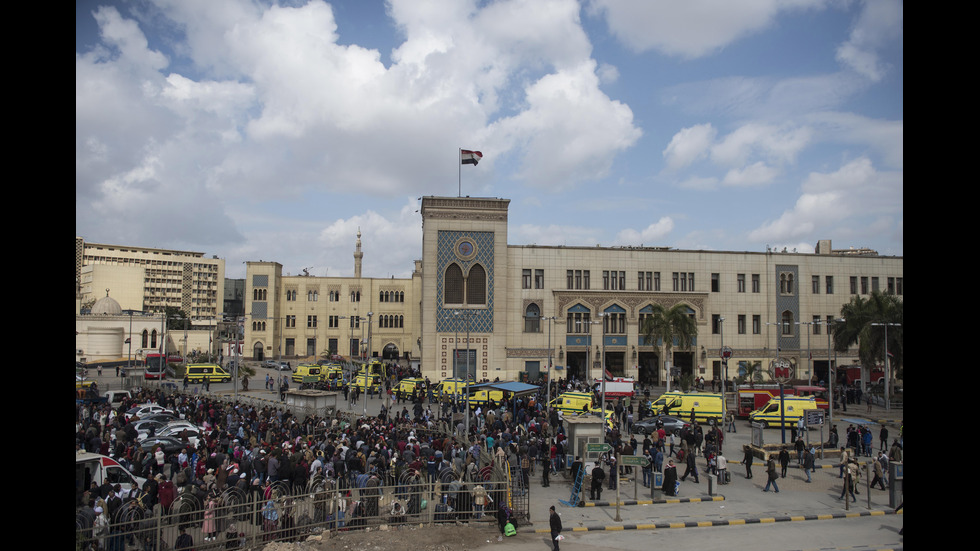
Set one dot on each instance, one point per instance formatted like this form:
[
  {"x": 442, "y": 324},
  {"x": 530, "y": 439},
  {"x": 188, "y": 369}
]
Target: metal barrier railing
[{"x": 253, "y": 515}]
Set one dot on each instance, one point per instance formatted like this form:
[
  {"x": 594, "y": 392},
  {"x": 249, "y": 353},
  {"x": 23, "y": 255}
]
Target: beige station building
[{"x": 476, "y": 303}]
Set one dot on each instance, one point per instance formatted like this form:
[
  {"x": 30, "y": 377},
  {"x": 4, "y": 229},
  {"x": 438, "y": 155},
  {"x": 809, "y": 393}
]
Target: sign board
[
  {"x": 815, "y": 417},
  {"x": 780, "y": 370},
  {"x": 597, "y": 448},
  {"x": 637, "y": 460},
  {"x": 726, "y": 352}
]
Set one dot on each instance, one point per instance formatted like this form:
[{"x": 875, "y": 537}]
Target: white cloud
[
  {"x": 752, "y": 175},
  {"x": 879, "y": 24},
  {"x": 651, "y": 235},
  {"x": 770, "y": 142},
  {"x": 689, "y": 145},
  {"x": 851, "y": 197},
  {"x": 691, "y": 28}
]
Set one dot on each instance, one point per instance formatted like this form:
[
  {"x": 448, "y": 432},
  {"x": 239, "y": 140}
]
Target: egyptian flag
[{"x": 470, "y": 157}]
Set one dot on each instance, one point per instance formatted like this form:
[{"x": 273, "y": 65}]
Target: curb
[
  {"x": 651, "y": 501},
  {"x": 730, "y": 522}
]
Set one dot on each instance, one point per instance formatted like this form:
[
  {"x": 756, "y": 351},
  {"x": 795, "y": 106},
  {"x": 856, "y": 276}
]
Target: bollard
[{"x": 712, "y": 480}]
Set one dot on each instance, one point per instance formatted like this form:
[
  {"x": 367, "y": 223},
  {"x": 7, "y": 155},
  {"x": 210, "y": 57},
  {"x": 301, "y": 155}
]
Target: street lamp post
[
  {"x": 724, "y": 375},
  {"x": 831, "y": 375},
  {"x": 602, "y": 406},
  {"x": 551, "y": 320},
  {"x": 466, "y": 318},
  {"x": 887, "y": 363},
  {"x": 367, "y": 354}
]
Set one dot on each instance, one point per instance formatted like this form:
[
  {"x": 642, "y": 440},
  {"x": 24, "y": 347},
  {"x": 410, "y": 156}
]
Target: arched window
[
  {"x": 453, "y": 285},
  {"x": 787, "y": 323},
  {"x": 145, "y": 340},
  {"x": 532, "y": 319},
  {"x": 476, "y": 285}
]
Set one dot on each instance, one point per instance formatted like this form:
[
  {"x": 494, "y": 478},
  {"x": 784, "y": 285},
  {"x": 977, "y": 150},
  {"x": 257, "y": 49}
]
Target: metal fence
[{"x": 247, "y": 518}]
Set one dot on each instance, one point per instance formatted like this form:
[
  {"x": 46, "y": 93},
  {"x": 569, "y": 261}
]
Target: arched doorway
[
  {"x": 390, "y": 352},
  {"x": 257, "y": 352}
]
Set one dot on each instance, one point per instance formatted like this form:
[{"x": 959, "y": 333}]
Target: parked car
[
  {"x": 671, "y": 424},
  {"x": 146, "y": 409},
  {"x": 271, "y": 364},
  {"x": 170, "y": 444},
  {"x": 284, "y": 366}
]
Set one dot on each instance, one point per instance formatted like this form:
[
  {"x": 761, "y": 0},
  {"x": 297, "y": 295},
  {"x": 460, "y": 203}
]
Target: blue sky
[{"x": 274, "y": 130}]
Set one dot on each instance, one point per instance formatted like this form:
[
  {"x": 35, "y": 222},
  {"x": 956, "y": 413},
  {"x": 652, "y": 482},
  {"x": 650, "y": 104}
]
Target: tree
[
  {"x": 667, "y": 324},
  {"x": 863, "y": 325},
  {"x": 177, "y": 319}
]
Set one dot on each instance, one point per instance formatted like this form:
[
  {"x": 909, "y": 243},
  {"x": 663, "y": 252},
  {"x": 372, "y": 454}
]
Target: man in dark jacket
[{"x": 555, "y": 527}]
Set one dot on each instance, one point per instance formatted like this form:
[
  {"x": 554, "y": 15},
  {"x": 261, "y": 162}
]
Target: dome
[{"x": 106, "y": 306}]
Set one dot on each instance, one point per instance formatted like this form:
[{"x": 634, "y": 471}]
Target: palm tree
[
  {"x": 666, "y": 324},
  {"x": 863, "y": 319}
]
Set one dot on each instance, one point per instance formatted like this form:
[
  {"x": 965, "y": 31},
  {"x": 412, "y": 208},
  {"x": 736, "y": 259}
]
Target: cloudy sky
[{"x": 273, "y": 130}]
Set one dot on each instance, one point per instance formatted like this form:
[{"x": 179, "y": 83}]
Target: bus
[{"x": 156, "y": 367}]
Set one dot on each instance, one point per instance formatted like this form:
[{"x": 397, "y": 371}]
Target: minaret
[{"x": 358, "y": 255}]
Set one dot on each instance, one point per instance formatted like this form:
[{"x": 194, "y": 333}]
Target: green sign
[
  {"x": 637, "y": 460},
  {"x": 597, "y": 448}
]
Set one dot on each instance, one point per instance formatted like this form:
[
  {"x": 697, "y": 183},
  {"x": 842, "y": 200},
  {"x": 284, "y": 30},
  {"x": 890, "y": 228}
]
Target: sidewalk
[{"x": 740, "y": 502}]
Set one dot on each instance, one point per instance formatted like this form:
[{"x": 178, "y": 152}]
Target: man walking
[
  {"x": 773, "y": 475},
  {"x": 555, "y": 528}
]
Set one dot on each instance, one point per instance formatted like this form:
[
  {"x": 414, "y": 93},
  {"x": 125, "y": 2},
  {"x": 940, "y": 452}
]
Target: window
[
  {"x": 829, "y": 284},
  {"x": 539, "y": 279},
  {"x": 526, "y": 279},
  {"x": 656, "y": 281},
  {"x": 453, "y": 293},
  {"x": 891, "y": 286},
  {"x": 476, "y": 285},
  {"x": 741, "y": 324},
  {"x": 740, "y": 283},
  {"x": 585, "y": 280},
  {"x": 290, "y": 295},
  {"x": 334, "y": 321},
  {"x": 864, "y": 285},
  {"x": 815, "y": 330},
  {"x": 874, "y": 285},
  {"x": 334, "y": 296},
  {"x": 290, "y": 321},
  {"x": 578, "y": 320},
  {"x": 532, "y": 319},
  {"x": 854, "y": 285},
  {"x": 756, "y": 324},
  {"x": 311, "y": 321},
  {"x": 605, "y": 280},
  {"x": 312, "y": 295},
  {"x": 569, "y": 279},
  {"x": 899, "y": 285},
  {"x": 683, "y": 281},
  {"x": 614, "y": 323},
  {"x": 786, "y": 283},
  {"x": 815, "y": 284},
  {"x": 355, "y": 296},
  {"x": 715, "y": 324},
  {"x": 470, "y": 290},
  {"x": 756, "y": 283},
  {"x": 787, "y": 323},
  {"x": 715, "y": 283}
]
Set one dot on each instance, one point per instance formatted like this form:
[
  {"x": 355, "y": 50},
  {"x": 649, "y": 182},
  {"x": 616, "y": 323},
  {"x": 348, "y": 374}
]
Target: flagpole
[{"x": 459, "y": 172}]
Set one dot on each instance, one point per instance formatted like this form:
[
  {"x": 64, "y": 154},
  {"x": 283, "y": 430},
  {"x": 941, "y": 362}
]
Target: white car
[
  {"x": 146, "y": 409},
  {"x": 194, "y": 433}
]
